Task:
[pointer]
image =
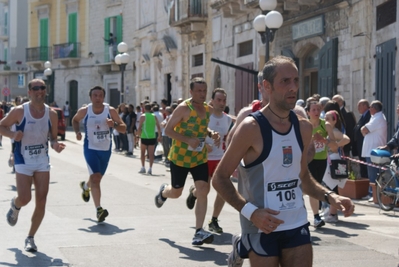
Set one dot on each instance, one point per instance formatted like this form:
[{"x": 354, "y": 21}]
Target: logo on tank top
[{"x": 287, "y": 156}]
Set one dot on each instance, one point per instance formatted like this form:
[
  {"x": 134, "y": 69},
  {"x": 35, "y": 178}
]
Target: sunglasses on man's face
[{"x": 37, "y": 88}]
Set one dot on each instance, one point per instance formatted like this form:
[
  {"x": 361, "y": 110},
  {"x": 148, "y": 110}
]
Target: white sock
[{"x": 85, "y": 187}]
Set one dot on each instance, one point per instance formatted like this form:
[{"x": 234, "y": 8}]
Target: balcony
[
  {"x": 189, "y": 15},
  {"x": 36, "y": 56},
  {"x": 233, "y": 8},
  {"x": 67, "y": 53}
]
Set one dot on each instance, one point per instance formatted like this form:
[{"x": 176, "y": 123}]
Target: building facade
[{"x": 340, "y": 46}]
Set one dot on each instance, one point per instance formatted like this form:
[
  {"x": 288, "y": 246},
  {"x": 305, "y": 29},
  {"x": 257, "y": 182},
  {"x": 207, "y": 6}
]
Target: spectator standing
[
  {"x": 160, "y": 119},
  {"x": 111, "y": 43},
  {"x": 66, "y": 110},
  {"x": 375, "y": 135},
  {"x": 350, "y": 123},
  {"x": 166, "y": 141},
  {"x": 130, "y": 129},
  {"x": 363, "y": 108}
]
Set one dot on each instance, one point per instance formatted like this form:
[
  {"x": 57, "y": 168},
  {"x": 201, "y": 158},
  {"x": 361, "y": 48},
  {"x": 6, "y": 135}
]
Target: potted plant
[{"x": 355, "y": 187}]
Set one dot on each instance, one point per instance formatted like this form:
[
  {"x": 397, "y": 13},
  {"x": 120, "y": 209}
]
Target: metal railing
[
  {"x": 42, "y": 53},
  {"x": 66, "y": 50},
  {"x": 183, "y": 10}
]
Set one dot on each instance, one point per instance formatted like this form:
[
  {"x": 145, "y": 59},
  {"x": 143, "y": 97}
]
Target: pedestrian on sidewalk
[
  {"x": 99, "y": 119},
  {"x": 188, "y": 127},
  {"x": 148, "y": 125},
  {"x": 273, "y": 177},
  {"x": 36, "y": 123}
]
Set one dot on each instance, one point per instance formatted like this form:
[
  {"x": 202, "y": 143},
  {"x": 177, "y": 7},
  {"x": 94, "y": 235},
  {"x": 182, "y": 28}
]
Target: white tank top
[
  {"x": 272, "y": 181},
  {"x": 98, "y": 133},
  {"x": 222, "y": 126},
  {"x": 33, "y": 148}
]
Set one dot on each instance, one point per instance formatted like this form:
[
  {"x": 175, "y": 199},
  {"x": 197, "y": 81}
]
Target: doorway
[{"x": 73, "y": 100}]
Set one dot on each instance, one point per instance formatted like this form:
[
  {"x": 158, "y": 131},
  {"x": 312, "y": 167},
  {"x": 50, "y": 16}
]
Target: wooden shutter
[
  {"x": 106, "y": 36},
  {"x": 72, "y": 33},
  {"x": 385, "y": 81},
  {"x": 328, "y": 62},
  {"x": 119, "y": 30},
  {"x": 44, "y": 39}
]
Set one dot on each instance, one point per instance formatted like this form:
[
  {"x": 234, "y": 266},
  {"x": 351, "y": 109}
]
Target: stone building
[{"x": 340, "y": 46}]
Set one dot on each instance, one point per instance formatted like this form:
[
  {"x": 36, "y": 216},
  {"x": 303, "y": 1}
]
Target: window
[
  {"x": 245, "y": 48},
  {"x": 198, "y": 60},
  {"x": 112, "y": 25}
]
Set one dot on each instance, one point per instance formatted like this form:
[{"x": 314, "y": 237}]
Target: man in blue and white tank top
[
  {"x": 268, "y": 147},
  {"x": 99, "y": 119},
  {"x": 34, "y": 123}
]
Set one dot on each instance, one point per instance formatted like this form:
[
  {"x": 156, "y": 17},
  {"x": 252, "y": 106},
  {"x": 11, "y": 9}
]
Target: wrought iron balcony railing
[
  {"x": 67, "y": 50},
  {"x": 42, "y": 53}
]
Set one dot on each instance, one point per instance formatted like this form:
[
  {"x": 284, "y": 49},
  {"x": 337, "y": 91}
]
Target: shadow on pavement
[
  {"x": 205, "y": 255},
  {"x": 104, "y": 228},
  {"x": 36, "y": 259}
]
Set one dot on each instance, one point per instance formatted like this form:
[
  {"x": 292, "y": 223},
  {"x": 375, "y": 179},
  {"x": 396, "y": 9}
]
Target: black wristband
[
  {"x": 326, "y": 195},
  {"x": 116, "y": 124}
]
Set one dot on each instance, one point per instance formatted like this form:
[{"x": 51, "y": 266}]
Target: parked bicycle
[{"x": 387, "y": 183}]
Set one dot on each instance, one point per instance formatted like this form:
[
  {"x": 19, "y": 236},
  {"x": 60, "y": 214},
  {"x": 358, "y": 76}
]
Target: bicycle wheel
[{"x": 386, "y": 190}]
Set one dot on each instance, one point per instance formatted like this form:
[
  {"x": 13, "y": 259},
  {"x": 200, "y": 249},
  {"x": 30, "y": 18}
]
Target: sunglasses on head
[{"x": 37, "y": 88}]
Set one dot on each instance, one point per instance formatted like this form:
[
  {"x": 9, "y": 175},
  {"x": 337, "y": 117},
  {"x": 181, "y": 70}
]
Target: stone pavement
[{"x": 136, "y": 233}]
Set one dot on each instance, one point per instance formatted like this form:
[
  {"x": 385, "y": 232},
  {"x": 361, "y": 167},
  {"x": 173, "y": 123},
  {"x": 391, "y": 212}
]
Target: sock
[
  {"x": 162, "y": 197},
  {"x": 317, "y": 216},
  {"x": 30, "y": 236},
  {"x": 99, "y": 208},
  {"x": 85, "y": 187},
  {"x": 214, "y": 219}
]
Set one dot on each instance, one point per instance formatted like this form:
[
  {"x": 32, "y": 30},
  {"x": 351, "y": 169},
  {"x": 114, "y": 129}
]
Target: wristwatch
[
  {"x": 326, "y": 195},
  {"x": 116, "y": 124}
]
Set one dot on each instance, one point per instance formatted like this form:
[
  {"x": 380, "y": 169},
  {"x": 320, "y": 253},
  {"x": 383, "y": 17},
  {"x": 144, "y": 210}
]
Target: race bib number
[
  {"x": 34, "y": 152},
  {"x": 199, "y": 147},
  {"x": 101, "y": 136},
  {"x": 284, "y": 195},
  {"x": 319, "y": 146}
]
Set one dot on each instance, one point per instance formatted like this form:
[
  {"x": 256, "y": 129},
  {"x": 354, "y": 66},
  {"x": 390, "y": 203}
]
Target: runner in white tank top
[{"x": 35, "y": 124}]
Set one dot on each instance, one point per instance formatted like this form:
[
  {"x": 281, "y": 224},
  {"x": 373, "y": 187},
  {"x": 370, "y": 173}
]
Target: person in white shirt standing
[{"x": 375, "y": 135}]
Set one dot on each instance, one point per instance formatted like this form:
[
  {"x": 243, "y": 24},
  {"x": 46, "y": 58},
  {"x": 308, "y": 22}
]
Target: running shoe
[
  {"x": 142, "y": 170},
  {"x": 318, "y": 223},
  {"x": 159, "y": 200},
  {"x": 149, "y": 172},
  {"x": 331, "y": 218},
  {"x": 214, "y": 227},
  {"x": 12, "y": 214},
  {"x": 101, "y": 214},
  {"x": 234, "y": 259},
  {"x": 202, "y": 237},
  {"x": 30, "y": 245},
  {"x": 85, "y": 193},
  {"x": 191, "y": 198}
]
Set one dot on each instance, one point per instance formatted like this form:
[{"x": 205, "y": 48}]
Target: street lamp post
[
  {"x": 268, "y": 23},
  {"x": 48, "y": 72},
  {"x": 121, "y": 60}
]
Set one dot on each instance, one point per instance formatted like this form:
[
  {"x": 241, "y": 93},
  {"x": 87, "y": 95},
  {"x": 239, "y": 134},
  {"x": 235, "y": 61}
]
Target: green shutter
[
  {"x": 119, "y": 29},
  {"x": 5, "y": 54},
  {"x": 44, "y": 39},
  {"x": 72, "y": 33},
  {"x": 106, "y": 36}
]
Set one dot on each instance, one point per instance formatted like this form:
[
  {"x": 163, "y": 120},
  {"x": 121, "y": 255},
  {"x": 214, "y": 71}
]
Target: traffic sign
[{"x": 6, "y": 91}]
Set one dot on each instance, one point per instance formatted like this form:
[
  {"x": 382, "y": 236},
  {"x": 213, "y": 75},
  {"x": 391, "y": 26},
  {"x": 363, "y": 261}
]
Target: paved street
[{"x": 136, "y": 233}]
